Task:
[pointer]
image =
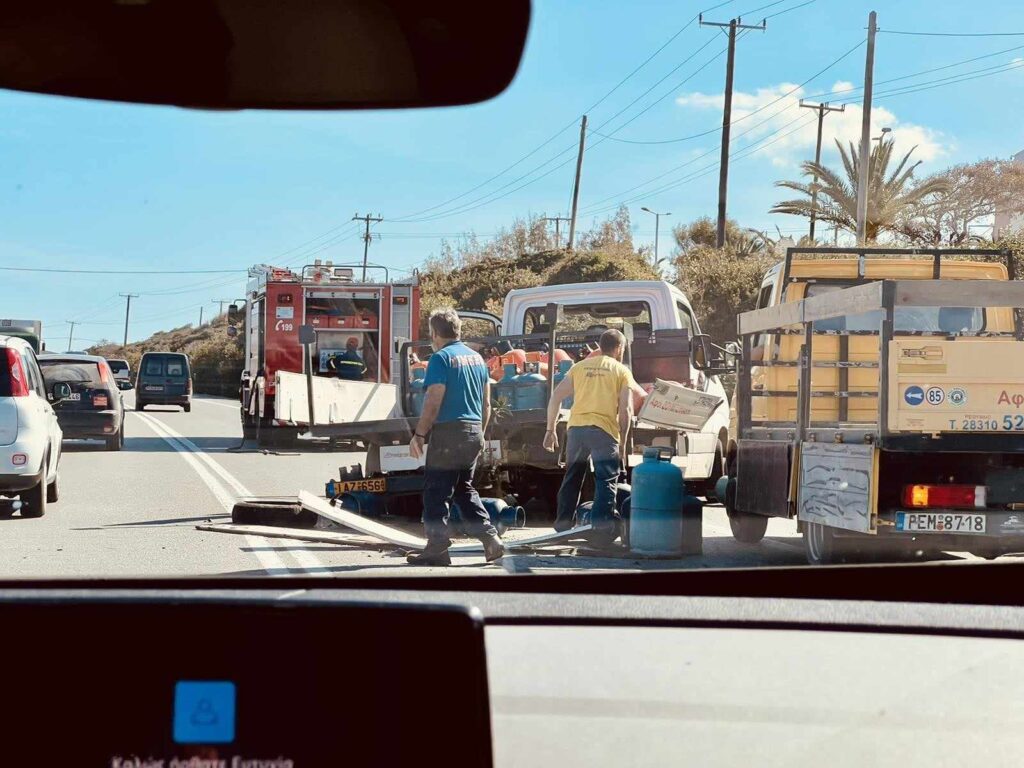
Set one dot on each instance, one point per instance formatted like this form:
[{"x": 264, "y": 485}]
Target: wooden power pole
[
  {"x": 865, "y": 134},
  {"x": 367, "y": 237},
  {"x": 822, "y": 109},
  {"x": 723, "y": 165},
  {"x": 576, "y": 185},
  {"x": 558, "y": 232}
]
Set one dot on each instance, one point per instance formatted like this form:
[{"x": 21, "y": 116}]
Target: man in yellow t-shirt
[{"x": 599, "y": 420}]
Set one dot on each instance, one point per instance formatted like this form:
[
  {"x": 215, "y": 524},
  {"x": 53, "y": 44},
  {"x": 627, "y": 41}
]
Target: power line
[
  {"x": 786, "y": 95},
  {"x": 792, "y": 8},
  {"x": 123, "y": 271},
  {"x": 564, "y": 128},
  {"x": 916, "y": 88},
  {"x": 950, "y": 34}
]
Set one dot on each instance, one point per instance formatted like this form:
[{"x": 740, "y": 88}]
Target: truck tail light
[
  {"x": 16, "y": 373},
  {"x": 944, "y": 496}
]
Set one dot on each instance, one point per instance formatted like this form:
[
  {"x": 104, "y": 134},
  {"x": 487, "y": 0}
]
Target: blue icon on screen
[{"x": 204, "y": 712}]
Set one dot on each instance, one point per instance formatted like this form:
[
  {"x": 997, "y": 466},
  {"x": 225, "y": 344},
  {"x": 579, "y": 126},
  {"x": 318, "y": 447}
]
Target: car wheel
[
  {"x": 139, "y": 405},
  {"x": 187, "y": 407},
  {"x": 33, "y": 501},
  {"x": 53, "y": 490},
  {"x": 116, "y": 442}
]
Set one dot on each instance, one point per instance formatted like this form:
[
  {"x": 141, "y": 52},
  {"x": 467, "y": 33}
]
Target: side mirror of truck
[
  {"x": 710, "y": 358},
  {"x": 234, "y": 314}
]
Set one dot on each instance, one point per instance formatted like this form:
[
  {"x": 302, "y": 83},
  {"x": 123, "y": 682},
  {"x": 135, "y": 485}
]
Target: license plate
[
  {"x": 75, "y": 396},
  {"x": 373, "y": 485},
  {"x": 939, "y": 522},
  {"x": 154, "y": 388}
]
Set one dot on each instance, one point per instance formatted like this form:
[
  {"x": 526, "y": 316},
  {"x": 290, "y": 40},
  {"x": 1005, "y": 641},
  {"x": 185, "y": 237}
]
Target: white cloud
[{"x": 775, "y": 108}]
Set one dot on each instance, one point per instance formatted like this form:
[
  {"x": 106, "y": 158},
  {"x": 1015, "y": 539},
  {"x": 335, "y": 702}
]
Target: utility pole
[
  {"x": 71, "y": 333},
  {"x": 220, "y": 303},
  {"x": 865, "y": 133},
  {"x": 366, "y": 237},
  {"x": 723, "y": 165},
  {"x": 576, "y": 185},
  {"x": 127, "y": 314},
  {"x": 822, "y": 109},
  {"x": 201, "y": 316},
  {"x": 558, "y": 233}
]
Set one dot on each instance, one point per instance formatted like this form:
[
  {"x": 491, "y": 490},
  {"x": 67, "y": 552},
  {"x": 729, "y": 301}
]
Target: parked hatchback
[
  {"x": 30, "y": 436},
  {"x": 93, "y": 408},
  {"x": 164, "y": 378}
]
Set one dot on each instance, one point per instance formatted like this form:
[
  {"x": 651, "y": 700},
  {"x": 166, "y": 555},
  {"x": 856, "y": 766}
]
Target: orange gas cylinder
[{"x": 516, "y": 357}]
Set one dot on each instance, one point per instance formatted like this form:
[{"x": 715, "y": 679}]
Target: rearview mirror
[
  {"x": 237, "y": 54},
  {"x": 61, "y": 391},
  {"x": 234, "y": 313},
  {"x": 709, "y": 357}
]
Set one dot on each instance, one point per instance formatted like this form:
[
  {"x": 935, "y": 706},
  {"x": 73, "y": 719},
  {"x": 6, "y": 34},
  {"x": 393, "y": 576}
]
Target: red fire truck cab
[{"x": 379, "y": 316}]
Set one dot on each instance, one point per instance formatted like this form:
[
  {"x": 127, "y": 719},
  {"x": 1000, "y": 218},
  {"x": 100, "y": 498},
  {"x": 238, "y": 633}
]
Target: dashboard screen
[{"x": 242, "y": 685}]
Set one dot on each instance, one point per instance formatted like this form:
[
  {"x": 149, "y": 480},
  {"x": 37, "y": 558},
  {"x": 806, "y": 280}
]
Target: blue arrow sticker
[{"x": 913, "y": 395}]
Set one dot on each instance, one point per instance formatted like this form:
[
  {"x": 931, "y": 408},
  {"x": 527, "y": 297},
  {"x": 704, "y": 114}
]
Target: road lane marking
[
  {"x": 203, "y": 464},
  {"x": 223, "y": 404}
]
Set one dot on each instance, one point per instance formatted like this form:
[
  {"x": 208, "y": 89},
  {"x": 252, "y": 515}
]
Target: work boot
[
  {"x": 494, "y": 548},
  {"x": 435, "y": 553}
]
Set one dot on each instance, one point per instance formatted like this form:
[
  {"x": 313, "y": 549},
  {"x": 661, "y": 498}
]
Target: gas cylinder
[
  {"x": 418, "y": 390},
  {"x": 658, "y": 508},
  {"x": 505, "y": 389},
  {"x": 503, "y": 516},
  {"x": 531, "y": 389},
  {"x": 561, "y": 373}
]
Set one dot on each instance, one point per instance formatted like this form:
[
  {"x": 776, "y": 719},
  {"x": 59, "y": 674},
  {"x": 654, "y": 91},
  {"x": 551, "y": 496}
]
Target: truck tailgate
[
  {"x": 963, "y": 385},
  {"x": 335, "y": 401}
]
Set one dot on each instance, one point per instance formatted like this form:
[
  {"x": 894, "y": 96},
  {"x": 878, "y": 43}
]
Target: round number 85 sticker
[{"x": 935, "y": 396}]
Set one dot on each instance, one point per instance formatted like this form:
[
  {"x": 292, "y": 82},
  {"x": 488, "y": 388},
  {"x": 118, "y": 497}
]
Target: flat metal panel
[
  {"x": 762, "y": 484},
  {"x": 849, "y": 301},
  {"x": 770, "y": 318},
  {"x": 836, "y": 485},
  {"x": 959, "y": 293}
]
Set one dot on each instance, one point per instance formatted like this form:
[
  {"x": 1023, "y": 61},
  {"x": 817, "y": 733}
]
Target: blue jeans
[
  {"x": 454, "y": 449},
  {"x": 583, "y": 445}
]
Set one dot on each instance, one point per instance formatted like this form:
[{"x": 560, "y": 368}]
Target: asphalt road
[{"x": 134, "y": 512}]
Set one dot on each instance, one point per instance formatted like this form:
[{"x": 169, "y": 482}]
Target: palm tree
[{"x": 889, "y": 194}]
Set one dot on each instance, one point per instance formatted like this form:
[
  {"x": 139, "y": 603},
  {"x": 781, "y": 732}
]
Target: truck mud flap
[{"x": 762, "y": 485}]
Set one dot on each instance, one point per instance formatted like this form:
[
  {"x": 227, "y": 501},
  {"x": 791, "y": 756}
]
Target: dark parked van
[{"x": 164, "y": 378}]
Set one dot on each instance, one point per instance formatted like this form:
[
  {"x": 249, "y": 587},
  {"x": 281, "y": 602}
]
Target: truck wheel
[
  {"x": 747, "y": 528},
  {"x": 187, "y": 407},
  {"x": 821, "y": 546},
  {"x": 139, "y": 405},
  {"x": 986, "y": 553}
]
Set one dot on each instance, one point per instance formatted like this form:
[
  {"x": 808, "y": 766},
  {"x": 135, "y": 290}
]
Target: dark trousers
[
  {"x": 583, "y": 445},
  {"x": 454, "y": 449}
]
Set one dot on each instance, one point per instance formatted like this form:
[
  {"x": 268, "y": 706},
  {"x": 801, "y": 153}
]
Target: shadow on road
[{"x": 159, "y": 445}]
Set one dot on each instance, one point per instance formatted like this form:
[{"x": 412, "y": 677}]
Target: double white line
[{"x": 226, "y": 491}]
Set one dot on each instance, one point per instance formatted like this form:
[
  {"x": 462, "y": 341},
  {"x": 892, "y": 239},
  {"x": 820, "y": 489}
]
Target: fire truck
[{"x": 380, "y": 315}]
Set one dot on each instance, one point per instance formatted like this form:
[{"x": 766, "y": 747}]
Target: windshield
[
  {"x": 292, "y": 391},
  {"x": 71, "y": 373}
]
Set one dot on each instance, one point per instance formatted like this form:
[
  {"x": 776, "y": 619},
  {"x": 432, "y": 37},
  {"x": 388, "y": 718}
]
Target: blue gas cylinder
[
  {"x": 656, "y": 507},
  {"x": 418, "y": 390},
  {"x": 561, "y": 373},
  {"x": 505, "y": 389},
  {"x": 531, "y": 389}
]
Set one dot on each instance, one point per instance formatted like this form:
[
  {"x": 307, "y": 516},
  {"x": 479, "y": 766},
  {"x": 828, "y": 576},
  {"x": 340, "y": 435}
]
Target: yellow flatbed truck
[{"x": 880, "y": 403}]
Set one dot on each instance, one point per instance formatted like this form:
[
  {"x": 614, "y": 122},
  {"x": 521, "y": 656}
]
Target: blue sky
[{"x": 104, "y": 186}]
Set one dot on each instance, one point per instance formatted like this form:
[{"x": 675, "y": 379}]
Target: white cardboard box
[
  {"x": 674, "y": 406},
  {"x": 396, "y": 458}
]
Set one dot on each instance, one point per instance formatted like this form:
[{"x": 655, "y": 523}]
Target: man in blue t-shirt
[{"x": 455, "y": 412}]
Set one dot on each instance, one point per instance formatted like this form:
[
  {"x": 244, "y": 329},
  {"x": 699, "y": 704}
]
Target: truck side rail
[{"x": 882, "y": 295}]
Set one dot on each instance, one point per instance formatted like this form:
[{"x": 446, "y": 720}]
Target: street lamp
[
  {"x": 657, "y": 219},
  {"x": 879, "y": 138}
]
